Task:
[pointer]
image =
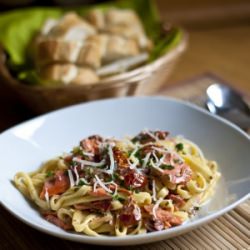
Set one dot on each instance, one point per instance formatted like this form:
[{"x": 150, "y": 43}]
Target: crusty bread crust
[{"x": 68, "y": 74}]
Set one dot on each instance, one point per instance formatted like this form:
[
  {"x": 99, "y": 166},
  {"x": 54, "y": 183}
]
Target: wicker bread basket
[{"x": 145, "y": 80}]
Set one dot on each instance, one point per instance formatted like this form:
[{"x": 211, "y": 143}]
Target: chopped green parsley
[
  {"x": 81, "y": 183},
  {"x": 179, "y": 146},
  {"x": 49, "y": 174},
  {"x": 168, "y": 167}
]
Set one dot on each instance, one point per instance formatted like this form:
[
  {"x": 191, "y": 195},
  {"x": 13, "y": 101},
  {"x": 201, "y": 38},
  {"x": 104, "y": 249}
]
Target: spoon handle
[{"x": 239, "y": 118}]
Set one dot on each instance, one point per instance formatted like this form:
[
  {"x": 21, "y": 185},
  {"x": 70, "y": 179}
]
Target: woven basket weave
[{"x": 144, "y": 80}]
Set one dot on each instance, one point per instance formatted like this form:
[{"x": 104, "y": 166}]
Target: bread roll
[
  {"x": 56, "y": 51},
  {"x": 97, "y": 18},
  {"x": 119, "y": 47},
  {"x": 95, "y": 50},
  {"x": 122, "y": 22},
  {"x": 71, "y": 27},
  {"x": 67, "y": 74}
]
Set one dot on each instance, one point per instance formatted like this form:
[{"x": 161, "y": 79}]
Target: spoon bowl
[{"x": 228, "y": 103}]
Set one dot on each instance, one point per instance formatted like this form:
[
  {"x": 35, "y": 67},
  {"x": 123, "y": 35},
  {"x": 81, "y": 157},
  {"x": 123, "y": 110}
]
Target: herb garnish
[
  {"x": 177, "y": 161},
  {"x": 49, "y": 174},
  {"x": 115, "y": 176},
  {"x": 74, "y": 163},
  {"x": 81, "y": 182},
  {"x": 179, "y": 146},
  {"x": 76, "y": 151},
  {"x": 168, "y": 167},
  {"x": 118, "y": 198}
]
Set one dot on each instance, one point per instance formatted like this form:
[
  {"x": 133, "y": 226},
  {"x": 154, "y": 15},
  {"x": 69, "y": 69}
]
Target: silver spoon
[{"x": 226, "y": 102}]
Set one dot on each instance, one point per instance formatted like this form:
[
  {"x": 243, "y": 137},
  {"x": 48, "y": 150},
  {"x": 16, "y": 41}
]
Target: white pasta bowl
[{"x": 26, "y": 146}]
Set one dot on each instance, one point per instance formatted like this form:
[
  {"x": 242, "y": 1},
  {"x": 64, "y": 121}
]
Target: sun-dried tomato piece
[
  {"x": 130, "y": 214},
  {"x": 178, "y": 172},
  {"x": 91, "y": 144},
  {"x": 143, "y": 138},
  {"x": 162, "y": 135},
  {"x": 150, "y": 136},
  {"x": 99, "y": 192},
  {"x": 58, "y": 184},
  {"x": 121, "y": 158},
  {"x": 98, "y": 206},
  {"x": 177, "y": 200},
  {"x": 102, "y": 205},
  {"x": 133, "y": 179},
  {"x": 66, "y": 225},
  {"x": 154, "y": 225},
  {"x": 167, "y": 218},
  {"x": 68, "y": 158}
]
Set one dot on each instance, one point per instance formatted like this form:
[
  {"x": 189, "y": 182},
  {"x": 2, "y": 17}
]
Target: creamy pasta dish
[{"x": 105, "y": 186}]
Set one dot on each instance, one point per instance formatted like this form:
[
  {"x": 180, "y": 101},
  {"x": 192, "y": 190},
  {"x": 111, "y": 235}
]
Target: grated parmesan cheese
[
  {"x": 146, "y": 159},
  {"x": 156, "y": 158},
  {"x": 87, "y": 153},
  {"x": 133, "y": 165},
  {"x": 133, "y": 152},
  {"x": 116, "y": 186},
  {"x": 77, "y": 175},
  {"x": 46, "y": 196},
  {"x": 102, "y": 184},
  {"x": 154, "y": 191},
  {"x": 60, "y": 178},
  {"x": 94, "y": 186},
  {"x": 112, "y": 160},
  {"x": 156, "y": 206},
  {"x": 71, "y": 178},
  {"x": 89, "y": 163},
  {"x": 155, "y": 166},
  {"x": 137, "y": 212},
  {"x": 160, "y": 150}
]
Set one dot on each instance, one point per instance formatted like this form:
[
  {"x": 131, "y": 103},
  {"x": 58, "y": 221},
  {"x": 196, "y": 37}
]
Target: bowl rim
[
  {"x": 140, "y": 73},
  {"x": 134, "y": 239}
]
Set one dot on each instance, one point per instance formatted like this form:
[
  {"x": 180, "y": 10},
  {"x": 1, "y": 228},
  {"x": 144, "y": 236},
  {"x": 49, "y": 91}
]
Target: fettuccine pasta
[{"x": 136, "y": 185}]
